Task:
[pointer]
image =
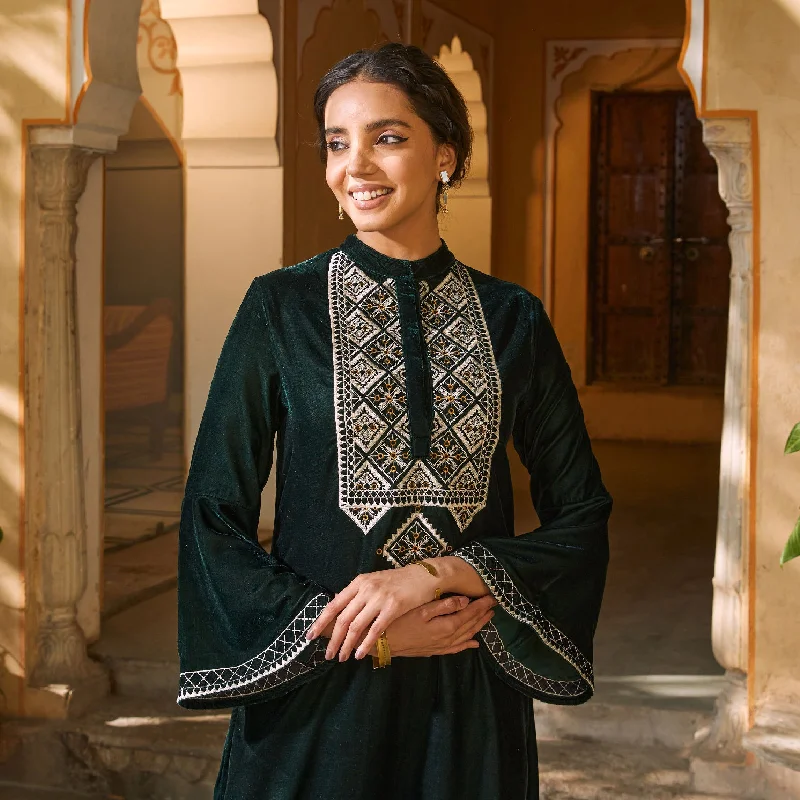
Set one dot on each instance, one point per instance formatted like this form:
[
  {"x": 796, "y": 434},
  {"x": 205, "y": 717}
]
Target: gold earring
[
  {"x": 445, "y": 180},
  {"x": 341, "y": 212}
]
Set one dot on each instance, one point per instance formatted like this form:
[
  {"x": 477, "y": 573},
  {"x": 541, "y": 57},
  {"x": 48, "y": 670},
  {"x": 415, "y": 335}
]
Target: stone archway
[{"x": 228, "y": 136}]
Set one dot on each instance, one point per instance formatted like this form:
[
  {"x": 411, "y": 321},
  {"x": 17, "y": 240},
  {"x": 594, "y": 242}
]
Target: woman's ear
[{"x": 447, "y": 158}]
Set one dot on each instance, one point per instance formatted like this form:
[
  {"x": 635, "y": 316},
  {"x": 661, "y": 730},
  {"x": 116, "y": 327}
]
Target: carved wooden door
[{"x": 659, "y": 259}]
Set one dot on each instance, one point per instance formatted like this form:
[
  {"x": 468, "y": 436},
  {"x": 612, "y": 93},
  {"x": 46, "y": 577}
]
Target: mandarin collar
[{"x": 385, "y": 266}]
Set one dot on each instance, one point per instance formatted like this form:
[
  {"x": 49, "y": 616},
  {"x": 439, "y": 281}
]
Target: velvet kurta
[{"x": 390, "y": 389}]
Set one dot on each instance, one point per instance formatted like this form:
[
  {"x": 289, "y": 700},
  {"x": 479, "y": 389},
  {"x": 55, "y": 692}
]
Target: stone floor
[{"x": 142, "y": 493}]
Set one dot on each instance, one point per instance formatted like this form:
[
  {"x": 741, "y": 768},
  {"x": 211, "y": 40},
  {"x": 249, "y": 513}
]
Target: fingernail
[
  {"x": 359, "y": 653},
  {"x": 309, "y": 635},
  {"x": 462, "y": 601},
  {"x": 328, "y": 655}
]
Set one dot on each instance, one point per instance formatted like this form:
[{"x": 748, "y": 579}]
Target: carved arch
[
  {"x": 457, "y": 62},
  {"x": 468, "y": 226},
  {"x": 224, "y": 59}
]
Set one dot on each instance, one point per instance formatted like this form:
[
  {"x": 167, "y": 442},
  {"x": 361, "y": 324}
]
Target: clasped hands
[{"x": 398, "y": 601}]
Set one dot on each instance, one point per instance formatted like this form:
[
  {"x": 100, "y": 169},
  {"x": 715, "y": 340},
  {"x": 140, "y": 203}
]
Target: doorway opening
[
  {"x": 659, "y": 258},
  {"x": 143, "y": 362},
  {"x": 658, "y": 293}
]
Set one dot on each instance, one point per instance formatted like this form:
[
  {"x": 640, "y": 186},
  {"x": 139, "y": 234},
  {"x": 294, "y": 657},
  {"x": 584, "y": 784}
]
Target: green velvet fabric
[{"x": 442, "y": 728}]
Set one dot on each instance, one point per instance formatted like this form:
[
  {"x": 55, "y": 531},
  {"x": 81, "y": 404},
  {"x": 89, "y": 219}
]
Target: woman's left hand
[{"x": 369, "y": 603}]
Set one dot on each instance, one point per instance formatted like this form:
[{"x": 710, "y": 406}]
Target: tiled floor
[{"x": 142, "y": 495}]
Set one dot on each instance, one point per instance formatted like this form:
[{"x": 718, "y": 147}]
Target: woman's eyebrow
[
  {"x": 372, "y": 126},
  {"x": 386, "y": 123}
]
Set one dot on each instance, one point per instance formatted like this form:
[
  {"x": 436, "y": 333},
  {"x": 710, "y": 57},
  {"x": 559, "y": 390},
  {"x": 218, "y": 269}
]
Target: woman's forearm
[{"x": 458, "y": 577}]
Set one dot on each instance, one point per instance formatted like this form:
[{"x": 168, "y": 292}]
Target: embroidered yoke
[{"x": 388, "y": 391}]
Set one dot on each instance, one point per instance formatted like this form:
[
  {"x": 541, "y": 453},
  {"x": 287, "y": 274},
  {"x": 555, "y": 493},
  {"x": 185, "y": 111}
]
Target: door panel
[
  {"x": 660, "y": 258},
  {"x": 632, "y": 183},
  {"x": 700, "y": 268}
]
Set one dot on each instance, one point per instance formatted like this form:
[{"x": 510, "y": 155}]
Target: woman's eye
[
  {"x": 335, "y": 146},
  {"x": 391, "y": 138}
]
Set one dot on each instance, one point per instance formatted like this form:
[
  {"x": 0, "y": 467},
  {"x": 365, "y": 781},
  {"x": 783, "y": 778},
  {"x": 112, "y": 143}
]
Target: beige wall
[
  {"x": 517, "y": 142},
  {"x": 33, "y": 74},
  {"x": 753, "y": 63}
]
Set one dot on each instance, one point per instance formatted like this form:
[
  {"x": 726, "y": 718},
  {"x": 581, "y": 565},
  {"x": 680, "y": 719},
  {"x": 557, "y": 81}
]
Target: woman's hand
[
  {"x": 369, "y": 604},
  {"x": 439, "y": 628}
]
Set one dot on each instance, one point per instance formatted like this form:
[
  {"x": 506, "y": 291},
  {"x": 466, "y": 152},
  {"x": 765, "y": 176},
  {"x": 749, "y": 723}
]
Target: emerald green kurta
[{"x": 391, "y": 389}]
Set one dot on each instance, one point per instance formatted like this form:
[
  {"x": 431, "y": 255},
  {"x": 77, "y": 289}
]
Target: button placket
[{"x": 418, "y": 382}]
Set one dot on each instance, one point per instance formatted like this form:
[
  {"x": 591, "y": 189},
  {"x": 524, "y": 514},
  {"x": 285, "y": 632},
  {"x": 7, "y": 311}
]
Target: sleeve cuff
[
  {"x": 288, "y": 658},
  {"x": 512, "y": 661}
]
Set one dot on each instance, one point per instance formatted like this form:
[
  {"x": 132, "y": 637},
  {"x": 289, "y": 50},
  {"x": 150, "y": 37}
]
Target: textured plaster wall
[{"x": 754, "y": 63}]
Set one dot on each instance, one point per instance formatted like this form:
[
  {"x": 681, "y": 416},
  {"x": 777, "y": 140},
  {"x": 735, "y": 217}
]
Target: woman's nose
[{"x": 359, "y": 162}]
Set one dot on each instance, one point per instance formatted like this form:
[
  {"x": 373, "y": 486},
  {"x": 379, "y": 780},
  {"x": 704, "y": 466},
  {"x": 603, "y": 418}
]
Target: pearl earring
[{"x": 445, "y": 180}]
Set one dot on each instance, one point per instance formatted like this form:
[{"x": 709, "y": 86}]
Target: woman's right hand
[{"x": 440, "y": 627}]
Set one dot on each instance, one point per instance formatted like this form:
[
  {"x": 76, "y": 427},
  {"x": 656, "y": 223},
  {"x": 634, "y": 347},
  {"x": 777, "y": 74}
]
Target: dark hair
[{"x": 432, "y": 95}]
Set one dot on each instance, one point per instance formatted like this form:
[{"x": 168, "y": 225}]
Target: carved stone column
[
  {"x": 729, "y": 141},
  {"x": 54, "y": 463}
]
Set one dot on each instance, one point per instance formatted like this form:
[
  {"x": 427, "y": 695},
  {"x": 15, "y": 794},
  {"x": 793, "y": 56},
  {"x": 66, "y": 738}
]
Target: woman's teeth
[{"x": 370, "y": 195}]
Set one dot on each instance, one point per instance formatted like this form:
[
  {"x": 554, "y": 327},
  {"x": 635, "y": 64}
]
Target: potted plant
[{"x": 792, "y": 549}]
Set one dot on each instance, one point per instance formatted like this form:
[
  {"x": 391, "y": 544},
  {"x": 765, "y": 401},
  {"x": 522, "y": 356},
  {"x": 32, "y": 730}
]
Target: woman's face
[{"x": 383, "y": 164}]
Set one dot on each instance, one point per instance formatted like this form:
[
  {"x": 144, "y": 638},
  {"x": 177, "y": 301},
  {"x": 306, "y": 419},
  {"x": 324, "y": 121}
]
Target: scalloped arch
[{"x": 224, "y": 59}]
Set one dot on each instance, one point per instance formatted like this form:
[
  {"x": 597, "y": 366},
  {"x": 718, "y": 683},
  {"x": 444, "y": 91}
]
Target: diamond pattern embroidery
[
  {"x": 514, "y": 603},
  {"x": 376, "y": 471},
  {"x": 527, "y": 677},
  {"x": 414, "y": 540},
  {"x": 276, "y": 665}
]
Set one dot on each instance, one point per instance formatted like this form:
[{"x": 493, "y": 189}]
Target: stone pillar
[
  {"x": 56, "y": 519},
  {"x": 729, "y": 141}
]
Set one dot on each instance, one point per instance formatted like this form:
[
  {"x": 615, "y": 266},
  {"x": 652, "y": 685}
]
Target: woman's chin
[{"x": 372, "y": 223}]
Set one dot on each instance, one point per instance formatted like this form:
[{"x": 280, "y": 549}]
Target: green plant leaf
[
  {"x": 792, "y": 549},
  {"x": 793, "y": 442}
]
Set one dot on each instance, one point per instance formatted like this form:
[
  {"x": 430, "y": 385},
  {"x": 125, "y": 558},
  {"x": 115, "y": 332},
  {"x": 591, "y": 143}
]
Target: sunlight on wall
[
  {"x": 33, "y": 85},
  {"x": 791, "y": 7},
  {"x": 26, "y": 44}
]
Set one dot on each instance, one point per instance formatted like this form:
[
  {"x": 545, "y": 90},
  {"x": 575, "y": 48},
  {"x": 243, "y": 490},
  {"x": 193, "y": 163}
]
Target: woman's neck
[{"x": 406, "y": 245}]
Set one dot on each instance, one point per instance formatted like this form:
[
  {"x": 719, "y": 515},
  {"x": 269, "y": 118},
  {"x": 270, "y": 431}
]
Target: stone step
[
  {"x": 584, "y": 770},
  {"x": 130, "y": 749},
  {"x": 147, "y": 679},
  {"x": 137, "y": 752},
  {"x": 650, "y": 711}
]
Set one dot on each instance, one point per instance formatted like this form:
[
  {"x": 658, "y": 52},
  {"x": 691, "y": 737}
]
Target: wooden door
[{"x": 659, "y": 259}]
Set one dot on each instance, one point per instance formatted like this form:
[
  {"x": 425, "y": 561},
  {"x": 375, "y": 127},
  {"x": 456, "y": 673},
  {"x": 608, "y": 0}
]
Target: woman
[{"x": 392, "y": 377}]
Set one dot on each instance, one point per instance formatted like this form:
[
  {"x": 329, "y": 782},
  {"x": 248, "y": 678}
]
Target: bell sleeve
[
  {"x": 242, "y": 613},
  {"x": 548, "y": 582}
]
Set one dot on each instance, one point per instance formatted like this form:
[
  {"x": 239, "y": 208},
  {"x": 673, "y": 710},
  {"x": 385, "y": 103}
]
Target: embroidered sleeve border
[
  {"x": 276, "y": 665},
  {"x": 516, "y": 605}
]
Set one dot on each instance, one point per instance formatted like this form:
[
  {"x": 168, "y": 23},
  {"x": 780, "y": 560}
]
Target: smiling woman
[{"x": 392, "y": 377}]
